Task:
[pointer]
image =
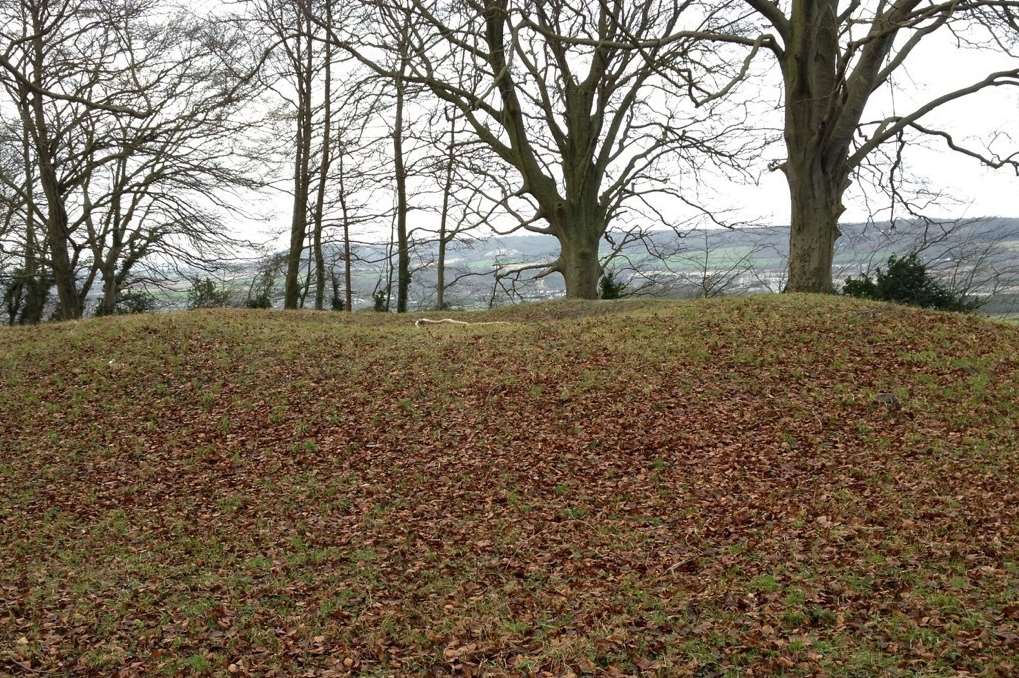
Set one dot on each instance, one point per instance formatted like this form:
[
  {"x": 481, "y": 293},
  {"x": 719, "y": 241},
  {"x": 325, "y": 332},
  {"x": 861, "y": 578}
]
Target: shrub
[
  {"x": 260, "y": 300},
  {"x": 260, "y": 292},
  {"x": 611, "y": 287},
  {"x": 336, "y": 301},
  {"x": 907, "y": 281},
  {"x": 381, "y": 301},
  {"x": 205, "y": 293},
  {"x": 129, "y": 302},
  {"x": 25, "y": 297}
]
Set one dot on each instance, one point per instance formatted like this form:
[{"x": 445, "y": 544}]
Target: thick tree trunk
[
  {"x": 579, "y": 226},
  {"x": 56, "y": 233},
  {"x": 110, "y": 291},
  {"x": 816, "y": 160},
  {"x": 579, "y": 264},
  {"x": 69, "y": 307},
  {"x": 816, "y": 208}
]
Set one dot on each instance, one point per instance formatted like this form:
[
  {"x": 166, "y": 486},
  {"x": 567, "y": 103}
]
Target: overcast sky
[{"x": 935, "y": 68}]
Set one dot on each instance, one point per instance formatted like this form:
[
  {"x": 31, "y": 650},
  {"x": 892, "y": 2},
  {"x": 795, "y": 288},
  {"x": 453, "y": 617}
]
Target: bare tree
[
  {"x": 459, "y": 193},
  {"x": 557, "y": 93},
  {"x": 26, "y": 281},
  {"x": 68, "y": 47},
  {"x": 123, "y": 112},
  {"x": 834, "y": 57},
  {"x": 401, "y": 25},
  {"x": 325, "y": 158},
  {"x": 296, "y": 65}
]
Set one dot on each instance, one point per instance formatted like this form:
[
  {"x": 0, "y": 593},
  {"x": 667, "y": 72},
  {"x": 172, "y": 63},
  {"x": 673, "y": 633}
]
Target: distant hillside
[
  {"x": 775, "y": 485},
  {"x": 980, "y": 256}
]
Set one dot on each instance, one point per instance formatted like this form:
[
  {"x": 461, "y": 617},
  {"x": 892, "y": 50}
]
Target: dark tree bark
[
  {"x": 832, "y": 63},
  {"x": 70, "y": 304},
  {"x": 557, "y": 93},
  {"x": 579, "y": 263},
  {"x": 447, "y": 189},
  {"x": 110, "y": 292},
  {"x": 323, "y": 173},
  {"x": 400, "y": 169},
  {"x": 303, "y": 72},
  {"x": 815, "y": 169},
  {"x": 345, "y": 217}
]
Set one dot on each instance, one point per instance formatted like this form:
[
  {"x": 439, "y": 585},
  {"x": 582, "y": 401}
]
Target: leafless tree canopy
[
  {"x": 120, "y": 121},
  {"x": 593, "y": 128},
  {"x": 135, "y": 132},
  {"x": 834, "y": 58}
]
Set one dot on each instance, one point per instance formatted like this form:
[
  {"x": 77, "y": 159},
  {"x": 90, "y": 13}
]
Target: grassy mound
[{"x": 791, "y": 485}]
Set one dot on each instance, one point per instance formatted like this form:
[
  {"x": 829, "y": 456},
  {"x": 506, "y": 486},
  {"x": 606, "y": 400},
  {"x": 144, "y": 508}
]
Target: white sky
[{"x": 934, "y": 68}]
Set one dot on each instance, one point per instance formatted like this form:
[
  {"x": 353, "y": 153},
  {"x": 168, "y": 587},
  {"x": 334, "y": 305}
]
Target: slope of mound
[{"x": 791, "y": 485}]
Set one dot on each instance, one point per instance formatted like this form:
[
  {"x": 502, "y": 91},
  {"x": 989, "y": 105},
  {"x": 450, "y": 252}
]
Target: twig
[{"x": 428, "y": 321}]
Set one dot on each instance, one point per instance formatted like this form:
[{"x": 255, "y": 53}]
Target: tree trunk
[
  {"x": 34, "y": 115},
  {"x": 447, "y": 189},
  {"x": 320, "y": 268},
  {"x": 299, "y": 218},
  {"x": 403, "y": 253},
  {"x": 323, "y": 173},
  {"x": 579, "y": 264},
  {"x": 36, "y": 280},
  {"x": 816, "y": 208},
  {"x": 349, "y": 297},
  {"x": 579, "y": 225},
  {"x": 37, "y": 294},
  {"x": 69, "y": 306},
  {"x": 440, "y": 274},
  {"x": 815, "y": 168},
  {"x": 298, "y": 226},
  {"x": 110, "y": 290},
  {"x": 348, "y": 294},
  {"x": 307, "y": 282},
  {"x": 389, "y": 268},
  {"x": 334, "y": 282}
]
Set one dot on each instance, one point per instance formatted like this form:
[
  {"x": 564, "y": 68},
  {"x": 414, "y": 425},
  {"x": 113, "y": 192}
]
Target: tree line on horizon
[{"x": 132, "y": 132}]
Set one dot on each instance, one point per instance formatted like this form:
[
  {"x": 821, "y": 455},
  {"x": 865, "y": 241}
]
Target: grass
[{"x": 690, "y": 488}]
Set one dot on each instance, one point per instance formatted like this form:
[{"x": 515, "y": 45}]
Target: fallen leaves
[{"x": 680, "y": 489}]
